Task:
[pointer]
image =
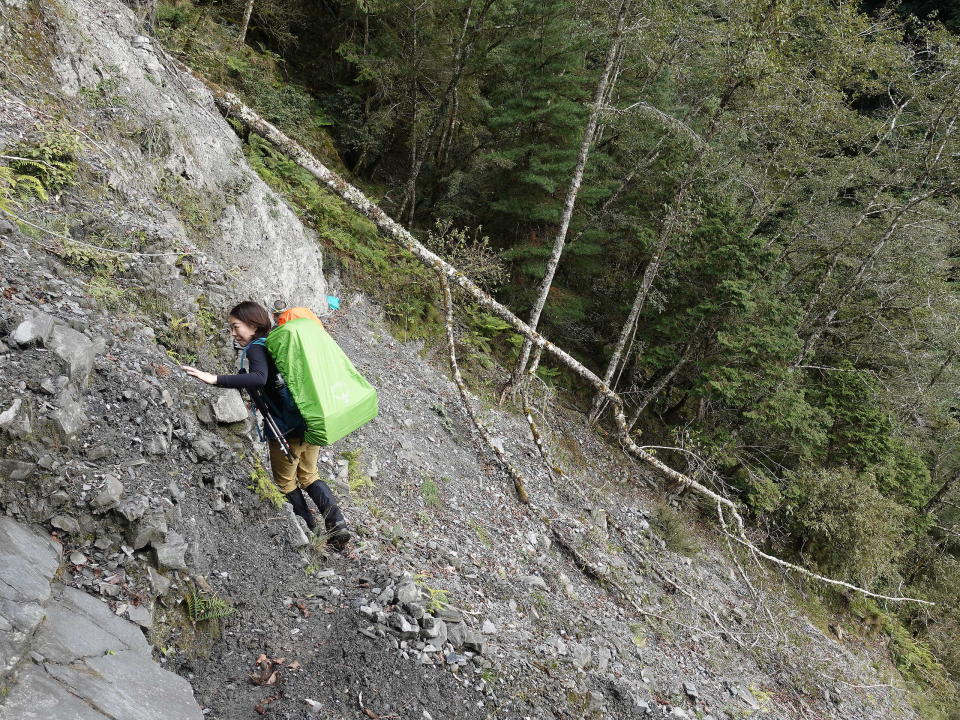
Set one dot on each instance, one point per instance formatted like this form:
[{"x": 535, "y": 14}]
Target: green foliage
[
  {"x": 468, "y": 251},
  {"x": 196, "y": 208},
  {"x": 187, "y": 339},
  {"x": 202, "y": 607},
  {"x": 357, "y": 480},
  {"x": 483, "y": 335},
  {"x": 800, "y": 326},
  {"x": 843, "y": 523},
  {"x": 758, "y": 490},
  {"x": 931, "y": 691},
  {"x": 93, "y": 254},
  {"x": 482, "y": 535},
  {"x": 403, "y": 285},
  {"x": 675, "y": 531},
  {"x": 431, "y": 492},
  {"x": 15, "y": 187},
  {"x": 208, "y": 44},
  {"x": 106, "y": 292},
  {"x": 438, "y": 599},
  {"x": 861, "y": 429},
  {"x": 104, "y": 95},
  {"x": 38, "y": 168}
]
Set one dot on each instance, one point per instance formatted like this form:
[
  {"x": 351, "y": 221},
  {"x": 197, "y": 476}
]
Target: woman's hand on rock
[{"x": 208, "y": 378}]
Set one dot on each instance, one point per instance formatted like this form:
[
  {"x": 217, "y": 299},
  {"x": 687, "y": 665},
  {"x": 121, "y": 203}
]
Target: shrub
[
  {"x": 673, "y": 528},
  {"x": 843, "y": 523}
]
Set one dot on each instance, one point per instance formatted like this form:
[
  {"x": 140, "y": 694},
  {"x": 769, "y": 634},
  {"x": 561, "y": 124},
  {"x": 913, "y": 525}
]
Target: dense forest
[{"x": 742, "y": 214}]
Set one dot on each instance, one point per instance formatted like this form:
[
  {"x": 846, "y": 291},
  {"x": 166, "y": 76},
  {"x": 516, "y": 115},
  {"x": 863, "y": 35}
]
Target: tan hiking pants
[{"x": 301, "y": 471}]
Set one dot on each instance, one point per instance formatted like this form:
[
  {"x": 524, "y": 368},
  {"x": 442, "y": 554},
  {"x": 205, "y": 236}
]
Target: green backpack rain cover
[{"x": 332, "y": 396}]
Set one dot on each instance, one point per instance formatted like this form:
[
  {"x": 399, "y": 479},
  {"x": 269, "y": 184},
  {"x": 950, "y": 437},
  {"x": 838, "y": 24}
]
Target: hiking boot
[
  {"x": 334, "y": 522},
  {"x": 299, "y": 503},
  {"x": 338, "y": 536}
]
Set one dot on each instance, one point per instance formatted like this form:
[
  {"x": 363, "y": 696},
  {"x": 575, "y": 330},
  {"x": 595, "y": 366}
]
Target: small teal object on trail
[{"x": 333, "y": 302}]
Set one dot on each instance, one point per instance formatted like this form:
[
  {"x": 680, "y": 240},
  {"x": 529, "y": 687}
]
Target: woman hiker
[{"x": 249, "y": 322}]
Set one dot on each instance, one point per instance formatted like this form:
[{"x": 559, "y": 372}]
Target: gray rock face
[
  {"x": 464, "y": 638},
  {"x": 204, "y": 449},
  {"x": 254, "y": 229},
  {"x": 403, "y": 628},
  {"x": 87, "y": 663},
  {"x": 581, "y": 655},
  {"x": 16, "y": 469},
  {"x": 28, "y": 560},
  {"x": 157, "y": 445},
  {"x": 76, "y": 350},
  {"x": 69, "y": 417},
  {"x": 229, "y": 408},
  {"x": 133, "y": 508},
  {"x": 16, "y": 420},
  {"x": 141, "y": 615},
  {"x": 295, "y": 532},
  {"x": 148, "y": 529},
  {"x": 408, "y": 592},
  {"x": 80, "y": 625},
  {"x": 158, "y": 582},
  {"x": 110, "y": 495},
  {"x": 171, "y": 554},
  {"x": 435, "y": 631},
  {"x": 66, "y": 523},
  {"x": 34, "y": 329},
  {"x": 534, "y": 582}
]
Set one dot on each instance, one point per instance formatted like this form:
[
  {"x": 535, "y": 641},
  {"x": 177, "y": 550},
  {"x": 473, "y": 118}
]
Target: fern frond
[{"x": 206, "y": 607}]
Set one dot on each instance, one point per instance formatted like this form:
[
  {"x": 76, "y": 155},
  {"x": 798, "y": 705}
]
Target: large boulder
[
  {"x": 28, "y": 561},
  {"x": 229, "y": 408},
  {"x": 34, "y": 330},
  {"x": 72, "y": 656},
  {"x": 76, "y": 350}
]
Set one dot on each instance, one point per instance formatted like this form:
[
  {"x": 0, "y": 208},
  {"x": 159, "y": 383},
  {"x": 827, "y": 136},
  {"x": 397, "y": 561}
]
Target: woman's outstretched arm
[{"x": 256, "y": 378}]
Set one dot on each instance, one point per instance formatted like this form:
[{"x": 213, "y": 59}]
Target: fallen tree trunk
[{"x": 232, "y": 107}]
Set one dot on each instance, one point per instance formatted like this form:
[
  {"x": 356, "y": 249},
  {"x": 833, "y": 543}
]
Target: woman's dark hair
[{"x": 253, "y": 314}]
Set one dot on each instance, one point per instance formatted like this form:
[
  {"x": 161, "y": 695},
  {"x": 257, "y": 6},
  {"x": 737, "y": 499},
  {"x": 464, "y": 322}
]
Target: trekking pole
[{"x": 274, "y": 428}]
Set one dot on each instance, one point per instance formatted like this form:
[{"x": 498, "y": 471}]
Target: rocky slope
[{"x": 458, "y": 602}]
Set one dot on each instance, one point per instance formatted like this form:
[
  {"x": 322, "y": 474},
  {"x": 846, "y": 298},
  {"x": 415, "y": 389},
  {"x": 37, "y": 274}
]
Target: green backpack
[{"x": 332, "y": 396}]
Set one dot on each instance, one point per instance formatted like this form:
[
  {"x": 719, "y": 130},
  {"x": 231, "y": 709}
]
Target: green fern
[
  {"x": 206, "y": 607},
  {"x": 15, "y": 187},
  {"x": 51, "y": 164}
]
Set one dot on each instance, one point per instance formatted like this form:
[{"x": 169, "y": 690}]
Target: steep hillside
[{"x": 144, "y": 225}]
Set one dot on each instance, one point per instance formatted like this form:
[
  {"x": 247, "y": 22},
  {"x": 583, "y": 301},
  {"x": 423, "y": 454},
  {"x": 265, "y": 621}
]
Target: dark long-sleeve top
[
  {"x": 262, "y": 376},
  {"x": 262, "y": 372}
]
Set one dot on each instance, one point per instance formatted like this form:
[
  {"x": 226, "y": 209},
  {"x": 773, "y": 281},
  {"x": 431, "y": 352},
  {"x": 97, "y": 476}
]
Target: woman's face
[{"x": 241, "y": 331}]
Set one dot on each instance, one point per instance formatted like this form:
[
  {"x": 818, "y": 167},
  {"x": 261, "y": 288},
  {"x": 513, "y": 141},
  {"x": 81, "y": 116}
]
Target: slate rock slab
[
  {"x": 35, "y": 328},
  {"x": 76, "y": 350},
  {"x": 28, "y": 561},
  {"x": 74, "y": 657}
]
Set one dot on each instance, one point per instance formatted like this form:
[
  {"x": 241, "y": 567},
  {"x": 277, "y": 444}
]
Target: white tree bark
[
  {"x": 574, "y": 188},
  {"x": 248, "y": 11}
]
